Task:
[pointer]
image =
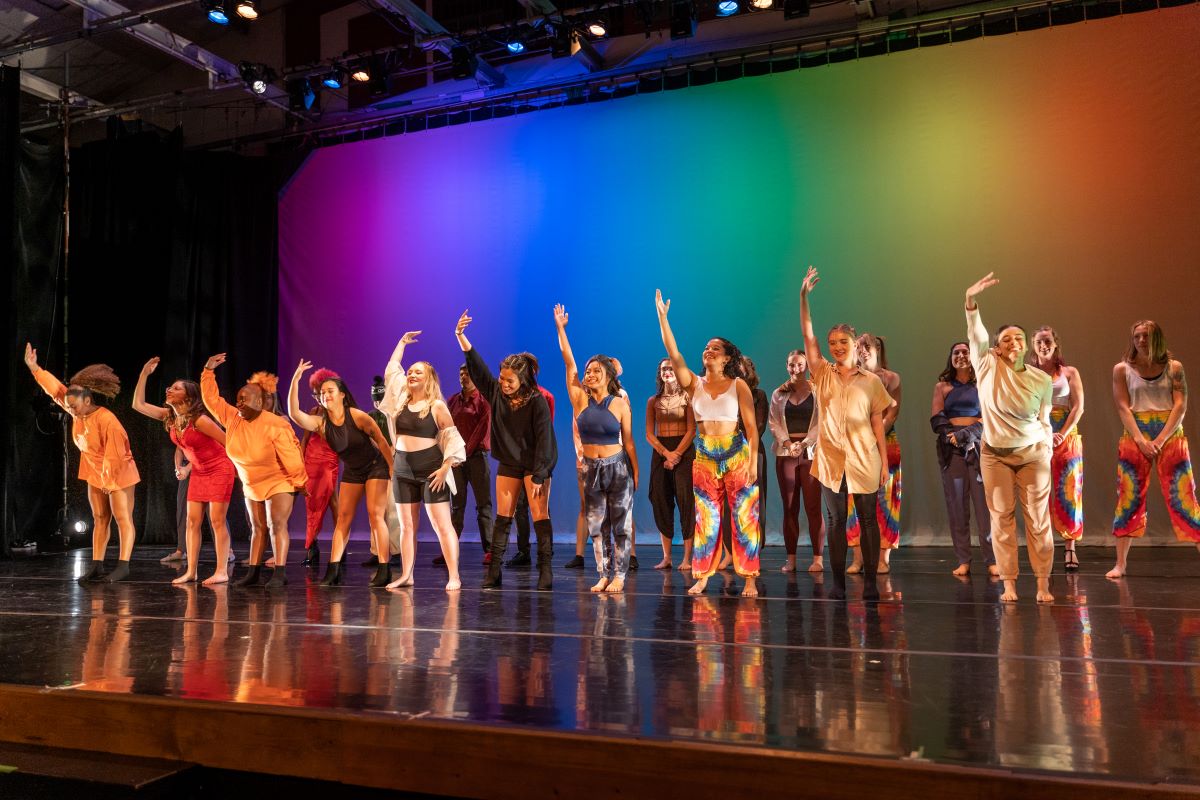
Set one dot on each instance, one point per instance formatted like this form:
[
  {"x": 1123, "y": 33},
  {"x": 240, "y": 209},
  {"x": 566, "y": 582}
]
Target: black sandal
[{"x": 1070, "y": 561}]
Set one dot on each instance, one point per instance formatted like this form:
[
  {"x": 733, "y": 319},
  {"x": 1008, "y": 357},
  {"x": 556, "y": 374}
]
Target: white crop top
[
  {"x": 1149, "y": 395},
  {"x": 1060, "y": 391},
  {"x": 722, "y": 408}
]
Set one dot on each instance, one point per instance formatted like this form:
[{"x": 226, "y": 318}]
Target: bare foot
[
  {"x": 403, "y": 582},
  {"x": 615, "y": 585},
  {"x": 1010, "y": 592},
  {"x": 854, "y": 568},
  {"x": 751, "y": 588},
  {"x": 601, "y": 585},
  {"x": 789, "y": 565},
  {"x": 215, "y": 578},
  {"x": 686, "y": 566},
  {"x": 993, "y": 571},
  {"x": 698, "y": 586},
  {"x": 185, "y": 578},
  {"x": 882, "y": 568},
  {"x": 963, "y": 569},
  {"x": 664, "y": 564},
  {"x": 453, "y": 585},
  {"x": 172, "y": 558},
  {"x": 1044, "y": 596},
  {"x": 1116, "y": 572}
]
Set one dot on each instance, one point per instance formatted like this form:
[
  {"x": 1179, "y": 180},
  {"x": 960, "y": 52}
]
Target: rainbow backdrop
[{"x": 1065, "y": 159}]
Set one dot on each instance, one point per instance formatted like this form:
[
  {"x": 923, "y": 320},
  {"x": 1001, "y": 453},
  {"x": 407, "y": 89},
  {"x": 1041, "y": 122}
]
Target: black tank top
[
  {"x": 410, "y": 423},
  {"x": 798, "y": 416},
  {"x": 353, "y": 446}
]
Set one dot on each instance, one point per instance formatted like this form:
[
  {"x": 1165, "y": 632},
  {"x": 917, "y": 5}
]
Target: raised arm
[
  {"x": 50, "y": 384},
  {"x": 482, "y": 377},
  {"x": 306, "y": 421},
  {"x": 977, "y": 335},
  {"x": 812, "y": 348},
  {"x": 682, "y": 373},
  {"x": 395, "y": 365},
  {"x": 139, "y": 393},
  {"x": 575, "y": 391},
  {"x": 211, "y": 395},
  {"x": 460, "y": 331}
]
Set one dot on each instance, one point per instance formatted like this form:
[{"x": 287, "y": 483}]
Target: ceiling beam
[
  {"x": 46, "y": 90},
  {"x": 427, "y": 27}
]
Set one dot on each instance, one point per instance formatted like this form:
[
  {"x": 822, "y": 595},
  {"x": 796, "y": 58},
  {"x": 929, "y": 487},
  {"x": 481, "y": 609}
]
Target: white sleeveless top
[
  {"x": 1149, "y": 395},
  {"x": 723, "y": 408},
  {"x": 1060, "y": 391}
]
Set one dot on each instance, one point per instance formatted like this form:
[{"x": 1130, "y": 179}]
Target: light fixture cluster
[{"x": 218, "y": 11}]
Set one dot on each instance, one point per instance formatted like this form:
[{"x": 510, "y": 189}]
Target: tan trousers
[{"x": 1024, "y": 473}]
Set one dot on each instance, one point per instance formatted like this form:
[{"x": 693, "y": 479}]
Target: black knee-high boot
[
  {"x": 498, "y": 545},
  {"x": 545, "y": 548}
]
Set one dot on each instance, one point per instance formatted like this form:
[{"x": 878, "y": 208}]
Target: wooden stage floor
[{"x": 939, "y": 690}]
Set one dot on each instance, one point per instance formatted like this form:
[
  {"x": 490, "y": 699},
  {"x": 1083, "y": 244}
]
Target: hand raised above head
[
  {"x": 30, "y": 356},
  {"x": 303, "y": 367},
  {"x": 462, "y": 323},
  {"x": 986, "y": 282},
  {"x": 663, "y": 306},
  {"x": 215, "y": 361},
  {"x": 150, "y": 366},
  {"x": 811, "y": 279},
  {"x": 411, "y": 336},
  {"x": 560, "y": 315}
]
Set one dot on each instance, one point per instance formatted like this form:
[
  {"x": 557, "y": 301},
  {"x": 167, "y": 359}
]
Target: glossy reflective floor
[{"x": 1106, "y": 682}]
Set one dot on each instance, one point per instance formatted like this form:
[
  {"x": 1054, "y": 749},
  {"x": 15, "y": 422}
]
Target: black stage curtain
[{"x": 172, "y": 254}]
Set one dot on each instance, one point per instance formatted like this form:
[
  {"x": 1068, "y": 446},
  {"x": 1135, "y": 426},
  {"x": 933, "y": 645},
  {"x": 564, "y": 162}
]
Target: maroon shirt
[
  {"x": 473, "y": 418},
  {"x": 549, "y": 400}
]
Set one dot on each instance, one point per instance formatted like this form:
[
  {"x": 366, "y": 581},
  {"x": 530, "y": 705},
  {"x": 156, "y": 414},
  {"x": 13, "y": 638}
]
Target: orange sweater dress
[
  {"x": 264, "y": 450},
  {"x": 105, "y": 460}
]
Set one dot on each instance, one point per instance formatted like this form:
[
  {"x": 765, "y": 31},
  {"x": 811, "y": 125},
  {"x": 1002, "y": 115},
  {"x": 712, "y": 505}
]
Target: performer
[
  {"x": 1150, "y": 391},
  {"x": 1066, "y": 463},
  {"x": 210, "y": 473},
  {"x": 604, "y": 421},
  {"x": 256, "y": 514},
  {"x": 378, "y": 389},
  {"x": 1014, "y": 457},
  {"x": 321, "y": 464},
  {"x": 428, "y": 447},
  {"x": 851, "y": 451},
  {"x": 358, "y": 443},
  {"x": 523, "y": 442},
  {"x": 105, "y": 462},
  {"x": 872, "y": 355},
  {"x": 263, "y": 448},
  {"x": 521, "y": 516},
  {"x": 670, "y": 430},
  {"x": 749, "y": 373},
  {"x": 726, "y": 463},
  {"x": 792, "y": 419},
  {"x": 958, "y": 422},
  {"x": 473, "y": 417}
]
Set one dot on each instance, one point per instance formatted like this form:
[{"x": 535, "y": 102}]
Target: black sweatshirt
[{"x": 521, "y": 437}]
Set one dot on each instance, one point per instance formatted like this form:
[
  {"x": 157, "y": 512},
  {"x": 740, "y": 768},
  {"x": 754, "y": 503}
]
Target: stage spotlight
[
  {"x": 246, "y": 9},
  {"x": 597, "y": 29},
  {"x": 334, "y": 79},
  {"x": 794, "y": 9},
  {"x": 361, "y": 73},
  {"x": 462, "y": 62},
  {"x": 683, "y": 19},
  {"x": 257, "y": 76},
  {"x": 762, "y": 5},
  {"x": 301, "y": 96},
  {"x": 215, "y": 9},
  {"x": 516, "y": 46},
  {"x": 80, "y": 526},
  {"x": 727, "y": 8}
]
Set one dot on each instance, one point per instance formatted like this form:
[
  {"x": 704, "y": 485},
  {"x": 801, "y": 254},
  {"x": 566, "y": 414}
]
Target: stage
[{"x": 939, "y": 689}]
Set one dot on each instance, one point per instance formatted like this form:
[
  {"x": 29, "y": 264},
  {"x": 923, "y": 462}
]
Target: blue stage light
[
  {"x": 218, "y": 16},
  {"x": 516, "y": 46},
  {"x": 727, "y": 8}
]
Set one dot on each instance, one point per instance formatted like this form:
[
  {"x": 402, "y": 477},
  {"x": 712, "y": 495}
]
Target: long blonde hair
[
  {"x": 433, "y": 390},
  {"x": 1159, "y": 354}
]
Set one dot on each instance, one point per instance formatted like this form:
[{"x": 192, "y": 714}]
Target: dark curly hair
[
  {"x": 195, "y": 406},
  {"x": 97, "y": 379},
  {"x": 733, "y": 367}
]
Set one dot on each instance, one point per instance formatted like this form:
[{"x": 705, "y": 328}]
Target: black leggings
[
  {"x": 836, "y": 511},
  {"x": 673, "y": 487}
]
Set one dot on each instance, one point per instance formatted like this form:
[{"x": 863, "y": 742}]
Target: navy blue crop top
[
  {"x": 598, "y": 425},
  {"x": 962, "y": 400}
]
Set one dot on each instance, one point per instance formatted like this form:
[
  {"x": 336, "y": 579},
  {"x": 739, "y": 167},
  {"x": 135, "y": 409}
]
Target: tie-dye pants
[
  {"x": 719, "y": 478},
  {"x": 1174, "y": 466},
  {"x": 887, "y": 506},
  {"x": 1066, "y": 479},
  {"x": 608, "y": 509}
]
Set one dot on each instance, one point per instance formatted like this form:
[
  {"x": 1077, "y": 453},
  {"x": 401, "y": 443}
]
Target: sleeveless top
[
  {"x": 723, "y": 408},
  {"x": 798, "y": 416},
  {"x": 410, "y": 423},
  {"x": 203, "y": 452},
  {"x": 962, "y": 400},
  {"x": 1149, "y": 394},
  {"x": 598, "y": 425},
  {"x": 353, "y": 446},
  {"x": 1060, "y": 391}
]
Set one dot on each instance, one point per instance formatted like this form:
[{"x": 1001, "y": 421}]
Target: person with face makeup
[
  {"x": 427, "y": 448},
  {"x": 473, "y": 418},
  {"x": 264, "y": 449},
  {"x": 958, "y": 422},
  {"x": 603, "y": 419},
  {"x": 725, "y": 469},
  {"x": 872, "y": 355},
  {"x": 670, "y": 430},
  {"x": 793, "y": 422},
  {"x": 1150, "y": 392},
  {"x": 364, "y": 453},
  {"x": 1015, "y": 453},
  {"x": 321, "y": 464},
  {"x": 1066, "y": 463},
  {"x": 105, "y": 461},
  {"x": 523, "y": 442},
  {"x": 851, "y": 451},
  {"x": 211, "y": 473}
]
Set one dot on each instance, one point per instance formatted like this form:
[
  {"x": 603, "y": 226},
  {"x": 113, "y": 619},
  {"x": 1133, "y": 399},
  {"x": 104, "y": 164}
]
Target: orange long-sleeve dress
[
  {"x": 264, "y": 449},
  {"x": 105, "y": 460}
]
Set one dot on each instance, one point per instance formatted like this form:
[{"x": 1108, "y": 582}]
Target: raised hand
[
  {"x": 986, "y": 282},
  {"x": 31, "y": 357},
  {"x": 663, "y": 306},
  {"x": 462, "y": 324},
  {"x": 811, "y": 279},
  {"x": 560, "y": 315},
  {"x": 411, "y": 336},
  {"x": 215, "y": 361},
  {"x": 150, "y": 366},
  {"x": 301, "y": 368}
]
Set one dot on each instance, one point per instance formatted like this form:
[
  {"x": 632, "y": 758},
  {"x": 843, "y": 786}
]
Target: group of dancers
[{"x": 1005, "y": 414}]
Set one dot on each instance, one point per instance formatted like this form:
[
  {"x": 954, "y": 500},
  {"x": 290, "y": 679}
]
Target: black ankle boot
[
  {"x": 382, "y": 576},
  {"x": 94, "y": 573},
  {"x": 278, "y": 578},
  {"x": 498, "y": 546},
  {"x": 333, "y": 574},
  {"x": 121, "y": 573},
  {"x": 545, "y": 549},
  {"x": 312, "y": 556},
  {"x": 251, "y": 576}
]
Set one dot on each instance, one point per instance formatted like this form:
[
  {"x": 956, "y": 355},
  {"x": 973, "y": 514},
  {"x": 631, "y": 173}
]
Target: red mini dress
[{"x": 213, "y": 474}]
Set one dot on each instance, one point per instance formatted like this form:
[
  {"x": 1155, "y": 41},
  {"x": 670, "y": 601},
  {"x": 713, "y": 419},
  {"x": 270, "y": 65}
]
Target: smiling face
[
  {"x": 176, "y": 394},
  {"x": 960, "y": 357},
  {"x": 714, "y": 356},
  {"x": 508, "y": 381},
  {"x": 250, "y": 401},
  {"x": 842, "y": 348},
  {"x": 416, "y": 377},
  {"x": 595, "y": 377},
  {"x": 868, "y": 356},
  {"x": 666, "y": 373},
  {"x": 1044, "y": 345},
  {"x": 797, "y": 365},
  {"x": 1010, "y": 343},
  {"x": 331, "y": 395}
]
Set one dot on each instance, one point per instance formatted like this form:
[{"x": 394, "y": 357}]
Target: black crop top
[
  {"x": 410, "y": 423},
  {"x": 798, "y": 416}
]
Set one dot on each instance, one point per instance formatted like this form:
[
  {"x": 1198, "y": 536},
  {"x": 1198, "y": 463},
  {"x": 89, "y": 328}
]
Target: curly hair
[
  {"x": 195, "y": 406},
  {"x": 608, "y": 364},
  {"x": 97, "y": 379},
  {"x": 749, "y": 372},
  {"x": 733, "y": 367},
  {"x": 266, "y": 381},
  {"x": 320, "y": 376}
]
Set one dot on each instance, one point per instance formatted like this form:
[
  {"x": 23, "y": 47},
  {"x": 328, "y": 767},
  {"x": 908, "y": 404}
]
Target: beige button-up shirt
[{"x": 846, "y": 445}]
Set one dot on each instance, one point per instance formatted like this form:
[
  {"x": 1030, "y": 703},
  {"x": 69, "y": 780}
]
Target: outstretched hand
[
  {"x": 215, "y": 361},
  {"x": 986, "y": 282},
  {"x": 463, "y": 322},
  {"x": 560, "y": 315},
  {"x": 409, "y": 337},
  {"x": 663, "y": 306},
  {"x": 811, "y": 279},
  {"x": 150, "y": 366},
  {"x": 31, "y": 357},
  {"x": 301, "y": 368}
]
